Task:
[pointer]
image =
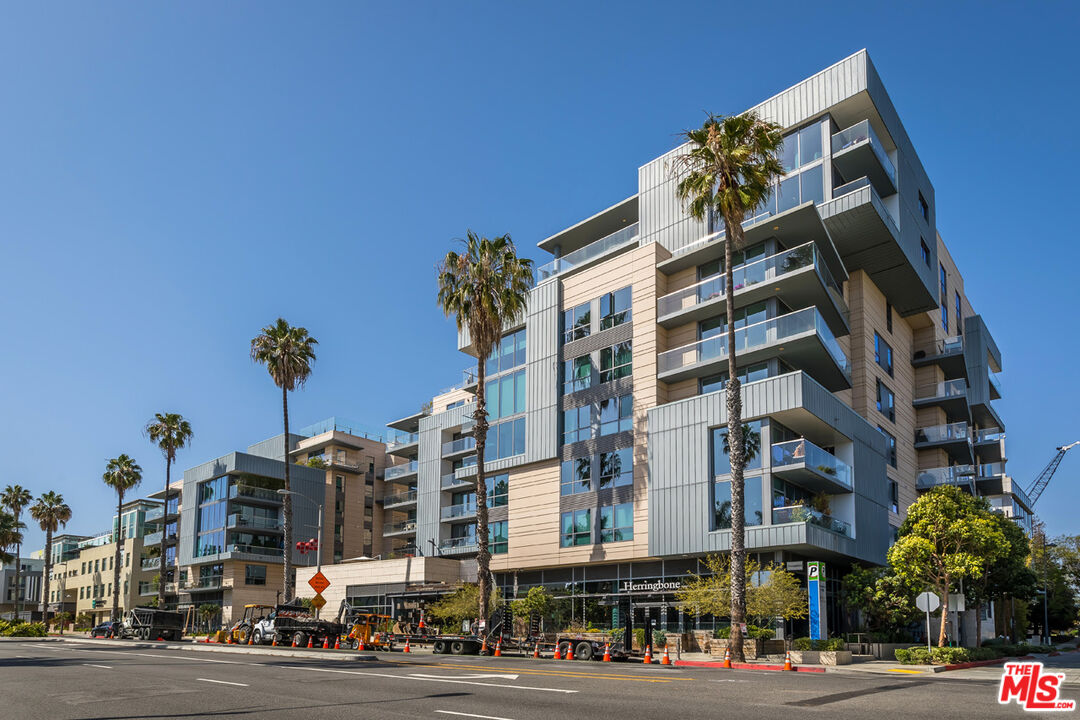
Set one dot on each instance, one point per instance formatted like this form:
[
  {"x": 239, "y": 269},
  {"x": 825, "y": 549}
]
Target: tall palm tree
[
  {"x": 486, "y": 288},
  {"x": 170, "y": 432},
  {"x": 9, "y": 534},
  {"x": 15, "y": 498},
  {"x": 288, "y": 353},
  {"x": 729, "y": 168},
  {"x": 121, "y": 474},
  {"x": 51, "y": 512}
]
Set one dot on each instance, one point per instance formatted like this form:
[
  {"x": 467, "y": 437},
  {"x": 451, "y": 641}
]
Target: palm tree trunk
[
  {"x": 480, "y": 428},
  {"x": 733, "y": 232},
  {"x": 116, "y": 556},
  {"x": 48, "y": 574},
  {"x": 18, "y": 568},
  {"x": 287, "y": 507},
  {"x": 164, "y": 522},
  {"x": 944, "y": 612}
]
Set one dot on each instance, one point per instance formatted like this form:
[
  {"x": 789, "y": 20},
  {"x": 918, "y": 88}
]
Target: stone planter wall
[
  {"x": 821, "y": 657},
  {"x": 752, "y": 649}
]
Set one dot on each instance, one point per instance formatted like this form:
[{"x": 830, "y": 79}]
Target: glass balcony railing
[
  {"x": 452, "y": 480},
  {"x": 761, "y": 271},
  {"x": 155, "y": 514},
  {"x": 456, "y": 511},
  {"x": 942, "y": 433},
  {"x": 204, "y": 583},
  {"x": 954, "y": 475},
  {"x": 399, "y": 527},
  {"x": 255, "y": 522},
  {"x": 257, "y": 493},
  {"x": 593, "y": 250},
  {"x": 400, "y": 439},
  {"x": 462, "y": 544},
  {"x": 804, "y": 452},
  {"x": 946, "y": 346},
  {"x": 995, "y": 382},
  {"x": 150, "y": 563},
  {"x": 989, "y": 435},
  {"x": 256, "y": 550},
  {"x": 804, "y": 514},
  {"x": 759, "y": 335},
  {"x": 396, "y": 471},
  {"x": 850, "y": 187},
  {"x": 400, "y": 498},
  {"x": 460, "y": 445},
  {"x": 991, "y": 470},
  {"x": 859, "y": 133},
  {"x": 152, "y": 538},
  {"x": 942, "y": 390}
]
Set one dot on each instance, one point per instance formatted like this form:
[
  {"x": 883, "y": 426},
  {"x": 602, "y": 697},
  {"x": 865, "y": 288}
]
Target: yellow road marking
[
  {"x": 909, "y": 672},
  {"x": 550, "y": 673}
]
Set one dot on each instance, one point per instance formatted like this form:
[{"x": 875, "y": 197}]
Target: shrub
[
  {"x": 659, "y": 638},
  {"x": 903, "y": 656},
  {"x": 983, "y": 653},
  {"x": 831, "y": 644},
  {"x": 949, "y": 655},
  {"x": 21, "y": 629},
  {"x": 752, "y": 631}
]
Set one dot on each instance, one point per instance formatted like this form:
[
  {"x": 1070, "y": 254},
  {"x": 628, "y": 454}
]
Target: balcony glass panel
[
  {"x": 990, "y": 470},
  {"x": 995, "y": 382},
  {"x": 459, "y": 445},
  {"x": 942, "y": 433},
  {"x": 592, "y": 250},
  {"x": 804, "y": 452},
  {"x": 804, "y": 514},
  {"x": 954, "y": 475},
  {"x": 150, "y": 563},
  {"x": 406, "y": 526},
  {"x": 400, "y": 439},
  {"x": 240, "y": 520},
  {"x": 756, "y": 336},
  {"x": 850, "y": 187},
  {"x": 256, "y": 550},
  {"x": 990, "y": 435},
  {"x": 456, "y": 511},
  {"x": 452, "y": 480},
  {"x": 242, "y": 491},
  {"x": 947, "y": 389},
  {"x": 400, "y": 498},
  {"x": 152, "y": 538},
  {"x": 862, "y": 132},
  {"x": 155, "y": 513},
  {"x": 402, "y": 470},
  {"x": 460, "y": 544}
]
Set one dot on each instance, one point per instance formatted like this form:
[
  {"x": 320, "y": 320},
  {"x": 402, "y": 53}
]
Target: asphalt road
[{"x": 117, "y": 681}]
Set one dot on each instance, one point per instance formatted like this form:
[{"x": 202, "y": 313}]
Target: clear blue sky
[{"x": 175, "y": 176}]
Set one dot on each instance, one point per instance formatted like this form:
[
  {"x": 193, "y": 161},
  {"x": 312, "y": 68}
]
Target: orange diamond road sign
[
  {"x": 318, "y": 582},
  {"x": 318, "y": 601}
]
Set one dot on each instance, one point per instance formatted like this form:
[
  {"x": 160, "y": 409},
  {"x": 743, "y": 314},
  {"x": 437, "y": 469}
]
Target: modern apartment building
[
  {"x": 868, "y": 376},
  {"x": 27, "y": 594}
]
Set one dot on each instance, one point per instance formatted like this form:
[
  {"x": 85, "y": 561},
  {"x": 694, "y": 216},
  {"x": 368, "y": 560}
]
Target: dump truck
[
  {"x": 286, "y": 623},
  {"x": 151, "y": 623}
]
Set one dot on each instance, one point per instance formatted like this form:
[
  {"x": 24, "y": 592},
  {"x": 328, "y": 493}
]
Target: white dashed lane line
[{"x": 223, "y": 682}]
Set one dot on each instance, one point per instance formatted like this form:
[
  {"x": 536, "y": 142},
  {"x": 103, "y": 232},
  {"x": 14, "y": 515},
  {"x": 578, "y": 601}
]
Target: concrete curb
[
  {"x": 977, "y": 663},
  {"x": 747, "y": 666},
  {"x": 336, "y": 655},
  {"x": 29, "y": 639}
]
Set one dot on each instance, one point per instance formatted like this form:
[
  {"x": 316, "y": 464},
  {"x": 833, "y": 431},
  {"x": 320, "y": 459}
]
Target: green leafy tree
[
  {"x": 122, "y": 474},
  {"x": 170, "y": 432},
  {"x": 461, "y": 605},
  {"x": 15, "y": 498},
  {"x": 10, "y": 535},
  {"x": 947, "y": 535},
  {"x": 485, "y": 287},
  {"x": 885, "y": 600},
  {"x": 777, "y": 594},
  {"x": 84, "y": 621},
  {"x": 50, "y": 511},
  {"x": 1056, "y": 601},
  {"x": 288, "y": 353},
  {"x": 61, "y": 619},
  {"x": 538, "y": 600},
  {"x": 1066, "y": 548},
  {"x": 1005, "y": 575},
  {"x": 729, "y": 168}
]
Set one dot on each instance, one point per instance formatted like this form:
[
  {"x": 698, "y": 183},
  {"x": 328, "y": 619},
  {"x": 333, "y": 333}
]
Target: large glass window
[
  {"x": 617, "y": 523},
  {"x": 883, "y": 354},
  {"x": 614, "y": 308},
  {"x": 752, "y": 512},
  {"x": 506, "y": 395},
  {"x": 576, "y": 476},
  {"x": 254, "y": 574},
  {"x": 616, "y": 415},
  {"x": 508, "y": 354},
  {"x": 749, "y": 315},
  {"x": 616, "y": 361},
  {"x": 944, "y": 299},
  {"x": 886, "y": 401},
  {"x": 210, "y": 544},
  {"x": 890, "y": 446},
  {"x": 785, "y": 494},
  {"x": 810, "y": 144},
  {"x": 498, "y": 537},
  {"x": 959, "y": 316},
  {"x": 506, "y": 439},
  {"x": 576, "y": 528},
  {"x": 498, "y": 488},
  {"x": 577, "y": 424},
  {"x": 721, "y": 460},
  {"x": 747, "y": 374},
  {"x": 576, "y": 323},
  {"x": 894, "y": 496},
  {"x": 617, "y": 468},
  {"x": 577, "y": 374}
]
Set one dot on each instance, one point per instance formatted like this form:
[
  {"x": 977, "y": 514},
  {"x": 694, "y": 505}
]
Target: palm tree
[
  {"x": 15, "y": 498},
  {"x": 121, "y": 474},
  {"x": 729, "y": 169},
  {"x": 170, "y": 432},
  {"x": 9, "y": 534},
  {"x": 288, "y": 353},
  {"x": 51, "y": 512},
  {"x": 486, "y": 288}
]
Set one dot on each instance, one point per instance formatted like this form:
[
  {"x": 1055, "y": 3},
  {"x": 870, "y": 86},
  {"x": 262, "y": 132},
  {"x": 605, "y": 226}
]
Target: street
[{"x": 90, "y": 681}]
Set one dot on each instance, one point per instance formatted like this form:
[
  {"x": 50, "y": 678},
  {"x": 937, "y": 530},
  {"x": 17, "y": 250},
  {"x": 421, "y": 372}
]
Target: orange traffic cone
[
  {"x": 727, "y": 657},
  {"x": 207, "y": 638},
  {"x": 536, "y": 651},
  {"x": 274, "y": 643},
  {"x": 294, "y": 641},
  {"x": 160, "y": 639},
  {"x": 787, "y": 661},
  {"x": 251, "y": 639},
  {"x": 666, "y": 660},
  {"x": 483, "y": 647},
  {"x": 570, "y": 651},
  {"x": 421, "y": 625},
  {"x": 607, "y": 652},
  {"x": 406, "y": 646},
  {"x": 557, "y": 655},
  {"x": 360, "y": 643},
  {"x": 326, "y": 643},
  {"x": 311, "y": 641},
  {"x": 498, "y": 648},
  {"x": 648, "y": 655},
  {"x": 337, "y": 643}
]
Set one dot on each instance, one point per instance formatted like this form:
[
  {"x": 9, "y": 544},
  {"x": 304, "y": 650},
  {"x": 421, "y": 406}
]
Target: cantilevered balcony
[
  {"x": 995, "y": 385},
  {"x": 458, "y": 448},
  {"x": 451, "y": 481},
  {"x": 805, "y": 464},
  {"x": 407, "y": 527},
  {"x": 950, "y": 395},
  {"x": 617, "y": 241},
  {"x": 400, "y": 472},
  {"x": 152, "y": 539},
  {"x": 959, "y": 475},
  {"x": 400, "y": 500},
  {"x": 402, "y": 443},
  {"x": 458, "y": 546},
  {"x": 804, "y": 514},
  {"x": 953, "y": 438},
  {"x": 990, "y": 445},
  {"x": 799, "y": 276},
  {"x": 254, "y": 522},
  {"x": 857, "y": 151},
  {"x": 458, "y": 512},
  {"x": 802, "y": 339},
  {"x": 948, "y": 354},
  {"x": 252, "y": 494}
]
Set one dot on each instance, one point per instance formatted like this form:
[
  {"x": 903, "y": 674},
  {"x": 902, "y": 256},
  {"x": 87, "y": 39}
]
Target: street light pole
[{"x": 318, "y": 549}]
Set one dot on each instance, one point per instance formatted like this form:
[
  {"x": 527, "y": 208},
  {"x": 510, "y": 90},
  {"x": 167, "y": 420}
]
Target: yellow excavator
[{"x": 372, "y": 629}]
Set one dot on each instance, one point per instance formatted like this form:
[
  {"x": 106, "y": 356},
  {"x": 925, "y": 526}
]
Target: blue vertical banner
[{"x": 815, "y": 588}]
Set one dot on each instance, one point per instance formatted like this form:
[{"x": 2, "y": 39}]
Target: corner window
[
  {"x": 894, "y": 496},
  {"x": 576, "y": 528},
  {"x": 498, "y": 487},
  {"x": 888, "y": 316},
  {"x": 925, "y": 249},
  {"x": 616, "y": 361},
  {"x": 886, "y": 401},
  {"x": 617, "y": 468},
  {"x": 890, "y": 445},
  {"x": 614, "y": 308},
  {"x": 752, "y": 511},
  {"x": 959, "y": 316},
  {"x": 616, "y": 415},
  {"x": 577, "y": 374},
  {"x": 883, "y": 354},
  {"x": 576, "y": 323},
  {"x": 575, "y": 476},
  {"x": 617, "y": 523},
  {"x": 498, "y": 537}
]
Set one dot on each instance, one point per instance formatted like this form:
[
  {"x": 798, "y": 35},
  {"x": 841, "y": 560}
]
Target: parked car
[{"x": 109, "y": 628}]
